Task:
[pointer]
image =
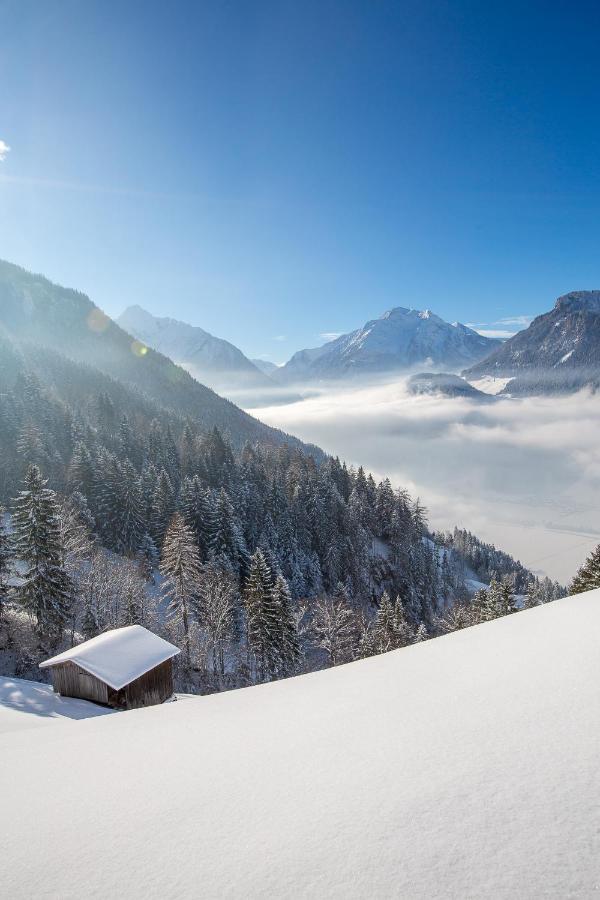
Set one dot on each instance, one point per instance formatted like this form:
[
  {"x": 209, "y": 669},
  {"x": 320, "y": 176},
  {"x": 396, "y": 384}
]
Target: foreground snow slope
[{"x": 465, "y": 767}]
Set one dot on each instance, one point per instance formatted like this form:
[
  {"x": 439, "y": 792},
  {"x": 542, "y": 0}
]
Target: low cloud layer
[
  {"x": 521, "y": 473},
  {"x": 4, "y": 149}
]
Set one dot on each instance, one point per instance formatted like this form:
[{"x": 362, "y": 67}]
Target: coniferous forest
[{"x": 259, "y": 560}]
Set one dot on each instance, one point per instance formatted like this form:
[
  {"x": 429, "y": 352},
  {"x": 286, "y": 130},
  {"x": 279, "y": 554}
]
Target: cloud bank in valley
[{"x": 521, "y": 473}]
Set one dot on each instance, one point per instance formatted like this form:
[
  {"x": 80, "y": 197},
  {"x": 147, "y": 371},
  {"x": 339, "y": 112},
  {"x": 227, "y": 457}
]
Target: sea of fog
[{"x": 523, "y": 474}]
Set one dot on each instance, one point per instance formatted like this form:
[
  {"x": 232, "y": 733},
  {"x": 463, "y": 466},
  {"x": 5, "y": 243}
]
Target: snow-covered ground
[
  {"x": 490, "y": 385},
  {"x": 464, "y": 767},
  {"x": 29, "y": 704}
]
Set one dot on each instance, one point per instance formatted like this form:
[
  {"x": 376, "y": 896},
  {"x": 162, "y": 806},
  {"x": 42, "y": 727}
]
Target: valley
[{"x": 522, "y": 473}]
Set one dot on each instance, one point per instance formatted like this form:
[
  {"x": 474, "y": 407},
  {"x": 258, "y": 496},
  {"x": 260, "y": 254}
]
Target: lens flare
[
  {"x": 138, "y": 349},
  {"x": 97, "y": 321}
]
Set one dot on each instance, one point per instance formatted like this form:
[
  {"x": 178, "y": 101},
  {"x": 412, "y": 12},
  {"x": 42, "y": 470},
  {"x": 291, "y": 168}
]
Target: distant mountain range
[
  {"x": 400, "y": 340},
  {"x": 558, "y": 353},
  {"x": 34, "y": 312},
  {"x": 210, "y": 360}
]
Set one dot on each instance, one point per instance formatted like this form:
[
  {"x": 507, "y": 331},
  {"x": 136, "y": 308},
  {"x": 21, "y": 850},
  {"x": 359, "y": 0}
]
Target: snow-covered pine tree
[
  {"x": 163, "y": 508},
  {"x": 459, "y": 615},
  {"x": 227, "y": 539},
  {"x": 187, "y": 451},
  {"x": 288, "y": 645},
  {"x": 45, "y": 590},
  {"x": 500, "y": 599},
  {"x": 147, "y": 557},
  {"x": 421, "y": 634},
  {"x": 402, "y": 632},
  {"x": 89, "y": 620},
  {"x": 384, "y": 632},
  {"x": 262, "y": 622},
  {"x": 130, "y": 528},
  {"x": 5, "y": 561},
  {"x": 133, "y": 612},
  {"x": 533, "y": 595},
  {"x": 197, "y": 507},
  {"x": 180, "y": 567},
  {"x": 588, "y": 576}
]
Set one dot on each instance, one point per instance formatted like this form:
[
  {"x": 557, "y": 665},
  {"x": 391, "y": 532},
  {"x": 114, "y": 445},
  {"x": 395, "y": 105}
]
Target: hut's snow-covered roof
[{"x": 119, "y": 656}]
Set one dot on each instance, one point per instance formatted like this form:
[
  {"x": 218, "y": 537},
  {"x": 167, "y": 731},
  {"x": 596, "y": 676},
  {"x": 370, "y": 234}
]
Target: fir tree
[
  {"x": 384, "y": 630},
  {"x": 89, "y": 622},
  {"x": 5, "y": 561},
  {"x": 288, "y": 646},
  {"x": 147, "y": 557},
  {"x": 262, "y": 616},
  {"x": 227, "y": 540},
  {"x": 45, "y": 590},
  {"x": 588, "y": 576},
  {"x": 196, "y": 505},
  {"x": 180, "y": 566},
  {"x": 130, "y": 527},
  {"x": 163, "y": 507}
]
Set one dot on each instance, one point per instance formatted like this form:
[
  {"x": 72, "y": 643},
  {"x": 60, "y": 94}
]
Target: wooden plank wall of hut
[
  {"x": 69, "y": 680},
  {"x": 153, "y": 687}
]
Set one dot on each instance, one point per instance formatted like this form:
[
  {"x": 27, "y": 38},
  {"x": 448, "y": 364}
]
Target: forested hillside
[
  {"x": 258, "y": 561},
  {"x": 40, "y": 313}
]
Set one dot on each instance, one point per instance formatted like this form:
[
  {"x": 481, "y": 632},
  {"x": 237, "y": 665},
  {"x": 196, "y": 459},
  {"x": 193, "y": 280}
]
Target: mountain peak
[
  {"x": 558, "y": 353},
  {"x": 211, "y": 360},
  {"x": 401, "y": 339},
  {"x": 579, "y": 301}
]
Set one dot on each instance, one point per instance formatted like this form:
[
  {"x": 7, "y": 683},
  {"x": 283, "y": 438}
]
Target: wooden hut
[{"x": 124, "y": 668}]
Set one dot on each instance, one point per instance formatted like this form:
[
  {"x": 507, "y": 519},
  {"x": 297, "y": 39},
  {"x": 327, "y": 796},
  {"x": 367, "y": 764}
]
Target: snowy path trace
[{"x": 464, "y": 767}]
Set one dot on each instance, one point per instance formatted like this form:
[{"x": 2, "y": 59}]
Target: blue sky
[{"x": 275, "y": 171}]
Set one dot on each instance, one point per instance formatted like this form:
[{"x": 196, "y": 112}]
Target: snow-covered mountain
[
  {"x": 465, "y": 766},
  {"x": 558, "y": 352},
  {"x": 210, "y": 360},
  {"x": 37, "y": 314},
  {"x": 400, "y": 339}
]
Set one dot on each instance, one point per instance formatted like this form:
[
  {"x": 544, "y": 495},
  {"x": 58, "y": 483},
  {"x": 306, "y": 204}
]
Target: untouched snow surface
[
  {"x": 29, "y": 704},
  {"x": 464, "y": 767}
]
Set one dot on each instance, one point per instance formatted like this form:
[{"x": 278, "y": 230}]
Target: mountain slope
[
  {"x": 466, "y": 766},
  {"x": 34, "y": 310},
  {"x": 558, "y": 352},
  {"x": 209, "y": 359},
  {"x": 265, "y": 366},
  {"x": 400, "y": 339}
]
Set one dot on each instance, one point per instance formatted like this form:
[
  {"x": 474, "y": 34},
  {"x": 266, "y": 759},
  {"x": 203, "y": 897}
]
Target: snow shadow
[{"x": 39, "y": 699}]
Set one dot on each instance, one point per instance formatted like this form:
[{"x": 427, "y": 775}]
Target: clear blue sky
[{"x": 273, "y": 171}]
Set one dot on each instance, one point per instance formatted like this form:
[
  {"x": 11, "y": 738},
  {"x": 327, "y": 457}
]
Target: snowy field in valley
[
  {"x": 464, "y": 767},
  {"x": 29, "y": 704},
  {"x": 523, "y": 474}
]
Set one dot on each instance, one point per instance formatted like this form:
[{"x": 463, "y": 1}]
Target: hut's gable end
[{"x": 70, "y": 680}]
